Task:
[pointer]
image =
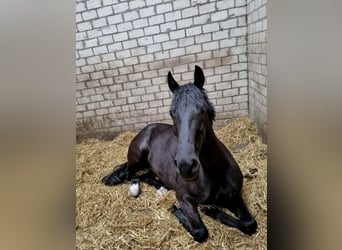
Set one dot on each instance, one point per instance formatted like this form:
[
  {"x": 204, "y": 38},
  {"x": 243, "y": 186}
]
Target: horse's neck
[{"x": 210, "y": 139}]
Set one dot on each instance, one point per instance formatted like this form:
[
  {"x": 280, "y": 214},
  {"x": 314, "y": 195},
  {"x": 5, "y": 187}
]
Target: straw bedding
[{"x": 106, "y": 218}]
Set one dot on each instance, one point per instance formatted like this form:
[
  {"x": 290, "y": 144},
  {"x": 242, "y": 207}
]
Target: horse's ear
[
  {"x": 173, "y": 85},
  {"x": 199, "y": 77}
]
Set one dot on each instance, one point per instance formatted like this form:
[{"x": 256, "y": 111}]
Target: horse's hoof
[
  {"x": 173, "y": 209},
  {"x": 161, "y": 192},
  {"x": 201, "y": 235},
  {"x": 248, "y": 227}
]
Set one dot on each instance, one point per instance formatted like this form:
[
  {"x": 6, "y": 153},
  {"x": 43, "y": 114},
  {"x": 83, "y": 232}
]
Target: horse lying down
[{"x": 187, "y": 157}]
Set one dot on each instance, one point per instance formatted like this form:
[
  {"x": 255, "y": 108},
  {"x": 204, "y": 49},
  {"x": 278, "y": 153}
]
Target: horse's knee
[
  {"x": 200, "y": 235},
  {"x": 248, "y": 227}
]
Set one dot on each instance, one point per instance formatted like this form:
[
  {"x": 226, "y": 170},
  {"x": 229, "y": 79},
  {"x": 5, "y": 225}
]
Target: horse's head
[{"x": 192, "y": 115}]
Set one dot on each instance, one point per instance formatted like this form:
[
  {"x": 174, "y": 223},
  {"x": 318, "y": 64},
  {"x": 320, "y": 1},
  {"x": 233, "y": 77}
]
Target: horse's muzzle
[{"x": 189, "y": 170}]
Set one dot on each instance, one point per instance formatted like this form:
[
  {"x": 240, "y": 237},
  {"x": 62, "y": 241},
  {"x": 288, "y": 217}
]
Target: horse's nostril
[
  {"x": 193, "y": 163},
  {"x": 176, "y": 162}
]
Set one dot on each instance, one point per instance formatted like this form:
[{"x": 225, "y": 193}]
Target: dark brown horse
[{"x": 188, "y": 158}]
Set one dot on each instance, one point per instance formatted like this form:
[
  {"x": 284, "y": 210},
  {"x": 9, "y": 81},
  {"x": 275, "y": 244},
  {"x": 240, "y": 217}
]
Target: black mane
[{"x": 190, "y": 92}]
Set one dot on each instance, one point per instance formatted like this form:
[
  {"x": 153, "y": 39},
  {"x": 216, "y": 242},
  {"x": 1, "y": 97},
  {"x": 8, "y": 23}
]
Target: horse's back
[{"x": 139, "y": 148}]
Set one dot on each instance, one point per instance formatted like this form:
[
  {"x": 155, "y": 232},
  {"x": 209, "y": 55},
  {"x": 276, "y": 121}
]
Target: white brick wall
[
  {"x": 257, "y": 74},
  {"x": 125, "y": 49}
]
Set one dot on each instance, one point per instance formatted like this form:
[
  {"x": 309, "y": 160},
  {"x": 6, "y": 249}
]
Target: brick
[
  {"x": 136, "y": 33},
  {"x": 101, "y": 66},
  {"x": 238, "y": 32},
  {"x": 92, "y": 4},
  {"x": 167, "y": 27},
  {"x": 129, "y": 16},
  {"x": 121, "y": 7},
  {"x": 111, "y": 29},
  {"x": 130, "y": 44},
  {"x": 120, "y": 36},
  {"x": 145, "y": 41},
  {"x": 84, "y": 26},
  {"x": 151, "y": 47},
  {"x": 105, "y": 39},
  {"x": 134, "y": 99},
  {"x": 140, "y": 23},
  {"x": 138, "y": 91},
  {"x": 88, "y": 15},
  {"x": 148, "y": 97},
  {"x": 226, "y": 43},
  {"x": 96, "y": 98},
  {"x": 150, "y": 74},
  {"x": 97, "y": 75},
  {"x": 88, "y": 114},
  {"x": 158, "y": 19},
  {"x": 151, "y": 30},
  {"x": 83, "y": 100},
  {"x": 154, "y": 104},
  {"x": 141, "y": 105},
  {"x": 131, "y": 61},
  {"x": 110, "y": 2},
  {"x": 115, "y": 19},
  {"x": 177, "y": 52},
  {"x": 177, "y": 34},
  {"x": 237, "y": 11},
  {"x": 210, "y": 45},
  {"x": 203, "y": 56},
  {"x": 239, "y": 83},
  {"x": 231, "y": 92},
  {"x": 194, "y": 31},
  {"x": 224, "y": 101},
  {"x": 162, "y": 95},
  {"x": 169, "y": 45},
  {"x": 240, "y": 98},
  {"x": 206, "y": 8},
  {"x": 219, "y": 15},
  {"x": 218, "y": 35},
  {"x": 222, "y": 85},
  {"x": 211, "y": 27},
  {"x": 100, "y": 50},
  {"x": 80, "y": 36},
  {"x": 152, "y": 89},
  {"x": 136, "y": 4},
  {"x": 160, "y": 38},
  {"x": 98, "y": 23},
  {"x": 93, "y": 59},
  {"x": 125, "y": 26},
  {"x": 224, "y": 5},
  {"x": 80, "y": 7},
  {"x": 172, "y": 16},
  {"x": 239, "y": 66},
  {"x": 186, "y": 41},
  {"x": 135, "y": 77},
  {"x": 162, "y": 8},
  {"x": 146, "y": 58},
  {"x": 188, "y": 12},
  {"x": 94, "y": 33},
  {"x": 181, "y": 4},
  {"x": 101, "y": 111},
  {"x": 230, "y": 23},
  {"x": 184, "y": 23},
  {"x": 104, "y": 11},
  {"x": 193, "y": 49}
]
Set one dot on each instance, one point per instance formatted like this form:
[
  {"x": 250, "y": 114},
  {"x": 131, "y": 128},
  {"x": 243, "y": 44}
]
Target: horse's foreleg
[
  {"x": 150, "y": 179},
  {"x": 222, "y": 217},
  {"x": 119, "y": 175},
  {"x": 189, "y": 217},
  {"x": 247, "y": 223}
]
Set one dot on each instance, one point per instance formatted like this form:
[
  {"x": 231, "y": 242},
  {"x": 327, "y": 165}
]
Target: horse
[{"x": 188, "y": 158}]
